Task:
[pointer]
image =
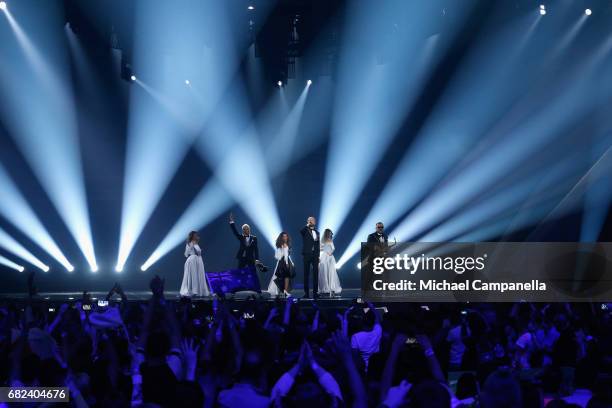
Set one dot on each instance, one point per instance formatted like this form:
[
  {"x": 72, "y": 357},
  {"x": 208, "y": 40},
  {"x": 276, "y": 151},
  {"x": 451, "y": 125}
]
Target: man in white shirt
[{"x": 367, "y": 341}]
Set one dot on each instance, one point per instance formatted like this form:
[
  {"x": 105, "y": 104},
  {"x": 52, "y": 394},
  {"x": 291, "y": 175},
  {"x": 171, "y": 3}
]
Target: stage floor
[{"x": 346, "y": 295}]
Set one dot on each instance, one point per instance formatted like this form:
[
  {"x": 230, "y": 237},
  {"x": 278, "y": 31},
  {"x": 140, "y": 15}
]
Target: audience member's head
[{"x": 501, "y": 390}]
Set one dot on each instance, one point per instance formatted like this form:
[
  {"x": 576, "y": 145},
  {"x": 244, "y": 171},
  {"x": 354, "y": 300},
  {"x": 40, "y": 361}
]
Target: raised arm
[
  {"x": 389, "y": 370},
  {"x": 234, "y": 229},
  {"x": 343, "y": 350},
  {"x": 373, "y": 310},
  {"x": 432, "y": 361}
]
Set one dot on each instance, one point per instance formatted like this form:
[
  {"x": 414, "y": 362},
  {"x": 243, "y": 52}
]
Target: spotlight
[
  {"x": 143, "y": 268},
  {"x": 542, "y": 12},
  {"x": 21, "y": 268},
  {"x": 2, "y": 5},
  {"x": 358, "y": 265},
  {"x": 309, "y": 82},
  {"x": 542, "y": 7},
  {"x": 46, "y": 268},
  {"x": 70, "y": 268},
  {"x": 94, "y": 268},
  {"x": 133, "y": 77},
  {"x": 119, "y": 268},
  {"x": 251, "y": 7},
  {"x": 588, "y": 12},
  {"x": 279, "y": 83},
  {"x": 187, "y": 82}
]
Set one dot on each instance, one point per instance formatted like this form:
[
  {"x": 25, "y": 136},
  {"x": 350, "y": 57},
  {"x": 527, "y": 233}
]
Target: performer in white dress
[
  {"x": 194, "y": 278},
  {"x": 284, "y": 271},
  {"x": 328, "y": 276}
]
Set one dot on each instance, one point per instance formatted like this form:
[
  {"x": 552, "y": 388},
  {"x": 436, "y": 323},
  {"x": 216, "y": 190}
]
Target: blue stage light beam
[
  {"x": 493, "y": 165},
  {"x": 597, "y": 200},
  {"x": 157, "y": 138},
  {"x": 554, "y": 181},
  {"x": 199, "y": 45},
  {"x": 213, "y": 197},
  {"x": 230, "y": 145},
  {"x": 378, "y": 81},
  {"x": 42, "y": 119},
  {"x": 11, "y": 245},
  {"x": 15, "y": 209},
  {"x": 10, "y": 264},
  {"x": 282, "y": 146},
  {"x": 447, "y": 136},
  {"x": 595, "y": 182},
  {"x": 312, "y": 130},
  {"x": 208, "y": 204},
  {"x": 574, "y": 103}
]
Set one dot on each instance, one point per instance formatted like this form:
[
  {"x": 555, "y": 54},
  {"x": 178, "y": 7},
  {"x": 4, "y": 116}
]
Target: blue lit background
[{"x": 447, "y": 120}]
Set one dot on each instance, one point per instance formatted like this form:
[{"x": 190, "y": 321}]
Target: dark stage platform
[{"x": 347, "y": 296}]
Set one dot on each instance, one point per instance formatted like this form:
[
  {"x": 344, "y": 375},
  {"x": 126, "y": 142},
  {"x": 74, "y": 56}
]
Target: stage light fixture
[
  {"x": 542, "y": 7},
  {"x": 358, "y": 265},
  {"x": 95, "y": 268},
  {"x": 2, "y": 5},
  {"x": 369, "y": 109},
  {"x": 309, "y": 82},
  {"x": 251, "y": 7},
  {"x": 588, "y": 12},
  {"x": 133, "y": 77},
  {"x": 279, "y": 83},
  {"x": 119, "y": 268},
  {"x": 542, "y": 12},
  {"x": 187, "y": 82}
]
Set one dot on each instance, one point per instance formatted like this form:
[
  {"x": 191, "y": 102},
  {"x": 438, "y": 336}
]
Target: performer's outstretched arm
[{"x": 233, "y": 227}]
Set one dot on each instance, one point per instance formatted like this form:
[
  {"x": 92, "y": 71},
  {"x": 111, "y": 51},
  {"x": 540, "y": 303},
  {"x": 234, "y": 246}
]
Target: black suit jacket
[
  {"x": 309, "y": 245},
  {"x": 375, "y": 247},
  {"x": 373, "y": 239},
  {"x": 249, "y": 252}
]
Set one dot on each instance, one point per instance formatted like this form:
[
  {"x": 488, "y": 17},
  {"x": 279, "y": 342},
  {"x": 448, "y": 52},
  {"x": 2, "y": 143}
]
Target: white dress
[
  {"x": 278, "y": 255},
  {"x": 328, "y": 276},
  {"x": 194, "y": 278}
]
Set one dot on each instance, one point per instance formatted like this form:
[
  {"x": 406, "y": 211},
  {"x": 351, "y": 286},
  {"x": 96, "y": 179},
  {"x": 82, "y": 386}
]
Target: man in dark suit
[
  {"x": 378, "y": 242},
  {"x": 248, "y": 252},
  {"x": 379, "y": 237},
  {"x": 311, "y": 247}
]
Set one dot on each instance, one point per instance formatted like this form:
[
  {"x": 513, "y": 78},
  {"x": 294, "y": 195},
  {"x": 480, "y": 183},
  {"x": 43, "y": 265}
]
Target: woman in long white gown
[
  {"x": 284, "y": 271},
  {"x": 328, "y": 276},
  {"x": 194, "y": 278}
]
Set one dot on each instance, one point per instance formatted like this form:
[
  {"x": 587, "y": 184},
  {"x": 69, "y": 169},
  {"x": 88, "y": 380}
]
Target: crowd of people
[{"x": 296, "y": 353}]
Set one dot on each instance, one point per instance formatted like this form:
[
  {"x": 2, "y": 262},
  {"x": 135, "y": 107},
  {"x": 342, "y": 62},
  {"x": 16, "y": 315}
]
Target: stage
[{"x": 347, "y": 296}]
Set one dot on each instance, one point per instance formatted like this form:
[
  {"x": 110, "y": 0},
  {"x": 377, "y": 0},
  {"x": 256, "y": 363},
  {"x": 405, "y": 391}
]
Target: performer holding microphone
[{"x": 310, "y": 252}]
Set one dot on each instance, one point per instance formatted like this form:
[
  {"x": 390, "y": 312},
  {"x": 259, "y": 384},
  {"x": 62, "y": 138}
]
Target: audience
[{"x": 283, "y": 353}]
